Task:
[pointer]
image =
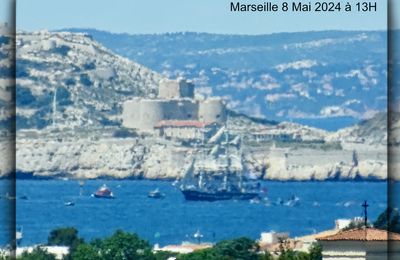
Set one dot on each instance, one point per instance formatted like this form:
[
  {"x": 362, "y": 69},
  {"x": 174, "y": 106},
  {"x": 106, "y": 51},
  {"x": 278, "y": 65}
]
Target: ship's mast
[
  {"x": 242, "y": 164},
  {"x": 201, "y": 179},
  {"x": 225, "y": 181},
  {"x": 201, "y": 175}
]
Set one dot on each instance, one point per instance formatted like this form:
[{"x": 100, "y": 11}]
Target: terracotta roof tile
[
  {"x": 363, "y": 234},
  {"x": 318, "y": 235}
]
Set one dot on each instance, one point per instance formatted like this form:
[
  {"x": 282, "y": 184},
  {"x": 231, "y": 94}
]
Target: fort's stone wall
[
  {"x": 175, "y": 102},
  {"x": 212, "y": 110},
  {"x": 172, "y": 89},
  {"x": 183, "y": 109}
]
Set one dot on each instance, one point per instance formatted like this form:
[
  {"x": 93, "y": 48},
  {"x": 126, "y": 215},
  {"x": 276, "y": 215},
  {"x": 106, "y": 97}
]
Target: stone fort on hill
[{"x": 175, "y": 106}]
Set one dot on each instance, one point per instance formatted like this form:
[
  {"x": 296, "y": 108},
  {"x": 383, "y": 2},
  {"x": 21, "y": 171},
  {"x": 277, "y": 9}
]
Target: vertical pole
[{"x": 365, "y": 206}]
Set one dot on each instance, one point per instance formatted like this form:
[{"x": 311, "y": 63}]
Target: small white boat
[
  {"x": 292, "y": 202},
  {"x": 255, "y": 200},
  {"x": 198, "y": 235},
  {"x": 69, "y": 203},
  {"x": 18, "y": 236},
  {"x": 156, "y": 194}
]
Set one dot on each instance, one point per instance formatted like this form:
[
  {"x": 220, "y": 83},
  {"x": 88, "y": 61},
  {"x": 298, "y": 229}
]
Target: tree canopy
[
  {"x": 67, "y": 236},
  {"x": 123, "y": 245},
  {"x": 120, "y": 246},
  {"x": 388, "y": 220}
]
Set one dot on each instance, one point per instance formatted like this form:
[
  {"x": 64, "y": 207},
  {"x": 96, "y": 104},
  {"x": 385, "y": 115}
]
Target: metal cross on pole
[{"x": 365, "y": 206}]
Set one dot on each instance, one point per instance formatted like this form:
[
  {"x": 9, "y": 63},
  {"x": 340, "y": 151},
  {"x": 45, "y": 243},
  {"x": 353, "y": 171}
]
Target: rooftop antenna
[{"x": 365, "y": 206}]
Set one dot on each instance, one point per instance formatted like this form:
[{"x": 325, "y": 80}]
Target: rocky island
[{"x": 84, "y": 112}]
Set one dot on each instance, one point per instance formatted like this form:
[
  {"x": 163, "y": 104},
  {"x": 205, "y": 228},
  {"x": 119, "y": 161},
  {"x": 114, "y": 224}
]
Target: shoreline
[{"x": 64, "y": 178}]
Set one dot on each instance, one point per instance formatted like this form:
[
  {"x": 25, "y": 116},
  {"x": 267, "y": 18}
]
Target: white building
[
  {"x": 184, "y": 248},
  {"x": 185, "y": 129},
  {"x": 345, "y": 222},
  {"x": 58, "y": 251},
  {"x": 305, "y": 242},
  {"x": 272, "y": 237},
  {"x": 361, "y": 244}
]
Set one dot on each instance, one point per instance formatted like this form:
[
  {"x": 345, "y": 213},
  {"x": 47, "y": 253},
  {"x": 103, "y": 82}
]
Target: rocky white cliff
[{"x": 102, "y": 154}]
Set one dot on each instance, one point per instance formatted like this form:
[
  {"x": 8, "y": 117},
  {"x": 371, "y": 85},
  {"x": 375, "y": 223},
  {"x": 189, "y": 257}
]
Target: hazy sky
[
  {"x": 157, "y": 16},
  {"x": 6, "y": 11}
]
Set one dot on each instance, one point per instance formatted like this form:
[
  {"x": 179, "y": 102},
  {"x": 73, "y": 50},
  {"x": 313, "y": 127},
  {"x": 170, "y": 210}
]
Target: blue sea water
[
  {"x": 7, "y": 213},
  {"x": 173, "y": 220}
]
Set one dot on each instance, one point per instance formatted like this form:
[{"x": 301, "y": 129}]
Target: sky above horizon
[{"x": 160, "y": 16}]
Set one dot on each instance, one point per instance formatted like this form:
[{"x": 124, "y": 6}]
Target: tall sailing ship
[{"x": 219, "y": 176}]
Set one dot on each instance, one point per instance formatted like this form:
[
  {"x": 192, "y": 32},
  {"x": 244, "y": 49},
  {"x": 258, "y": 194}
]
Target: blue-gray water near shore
[{"x": 40, "y": 208}]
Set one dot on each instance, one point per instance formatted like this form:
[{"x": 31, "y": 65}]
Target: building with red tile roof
[
  {"x": 361, "y": 244},
  {"x": 363, "y": 234},
  {"x": 185, "y": 129},
  {"x": 181, "y": 123}
]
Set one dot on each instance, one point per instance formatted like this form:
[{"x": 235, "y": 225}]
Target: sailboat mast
[
  {"x": 201, "y": 176},
  {"x": 225, "y": 182},
  {"x": 241, "y": 162},
  {"x": 228, "y": 166},
  {"x": 201, "y": 179}
]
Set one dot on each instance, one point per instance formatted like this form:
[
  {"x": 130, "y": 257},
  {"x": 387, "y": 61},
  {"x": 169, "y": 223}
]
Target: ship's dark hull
[
  {"x": 103, "y": 196},
  {"x": 219, "y": 195}
]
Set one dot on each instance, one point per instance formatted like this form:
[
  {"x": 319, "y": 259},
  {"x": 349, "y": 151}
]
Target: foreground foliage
[
  {"x": 388, "y": 220},
  {"x": 67, "y": 236},
  {"x": 123, "y": 245},
  {"x": 37, "y": 253},
  {"x": 241, "y": 248}
]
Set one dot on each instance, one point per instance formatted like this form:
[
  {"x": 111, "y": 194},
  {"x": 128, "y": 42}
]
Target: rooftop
[
  {"x": 184, "y": 248},
  {"x": 182, "y": 123},
  {"x": 362, "y": 234},
  {"x": 313, "y": 237}
]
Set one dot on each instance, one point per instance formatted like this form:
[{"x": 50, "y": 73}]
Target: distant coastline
[{"x": 60, "y": 177}]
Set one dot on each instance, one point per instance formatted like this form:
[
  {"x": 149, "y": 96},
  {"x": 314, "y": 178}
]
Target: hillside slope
[{"x": 70, "y": 80}]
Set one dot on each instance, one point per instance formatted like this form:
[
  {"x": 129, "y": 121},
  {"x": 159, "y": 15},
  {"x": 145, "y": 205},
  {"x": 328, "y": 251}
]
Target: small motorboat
[
  {"x": 293, "y": 202},
  {"x": 18, "y": 236},
  {"x": 69, "y": 203},
  {"x": 9, "y": 197},
  {"x": 103, "y": 193},
  {"x": 255, "y": 200},
  {"x": 156, "y": 194},
  {"x": 198, "y": 236}
]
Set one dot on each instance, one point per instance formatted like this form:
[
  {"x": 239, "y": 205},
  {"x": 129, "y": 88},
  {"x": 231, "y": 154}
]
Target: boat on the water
[
  {"x": 218, "y": 195},
  {"x": 198, "y": 236},
  {"x": 103, "y": 193},
  {"x": 18, "y": 236},
  {"x": 69, "y": 203},
  {"x": 23, "y": 197},
  {"x": 156, "y": 194},
  {"x": 293, "y": 201},
  {"x": 221, "y": 176}
]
